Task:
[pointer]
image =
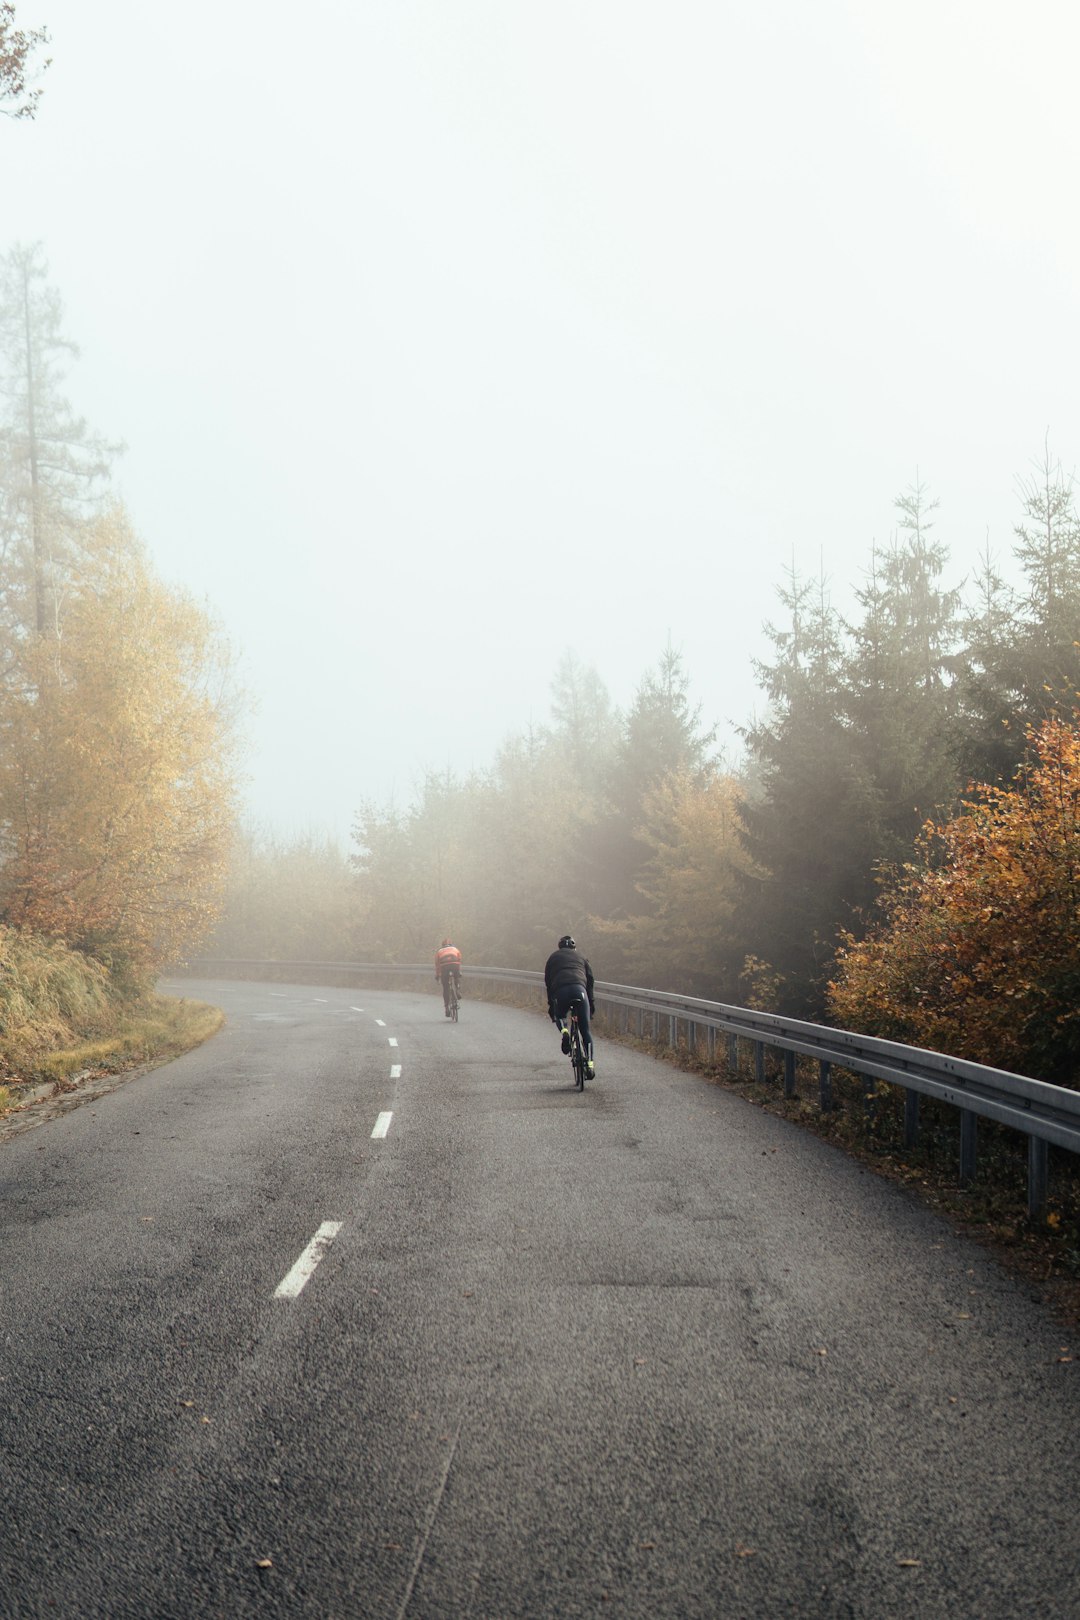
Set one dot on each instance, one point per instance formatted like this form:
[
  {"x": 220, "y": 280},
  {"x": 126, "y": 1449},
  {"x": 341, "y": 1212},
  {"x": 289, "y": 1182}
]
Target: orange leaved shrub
[{"x": 978, "y": 951}]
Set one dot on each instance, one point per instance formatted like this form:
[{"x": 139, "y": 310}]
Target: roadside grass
[
  {"x": 156, "y": 1030},
  {"x": 61, "y": 1016}
]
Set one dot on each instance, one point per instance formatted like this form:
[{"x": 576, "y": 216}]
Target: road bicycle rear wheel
[
  {"x": 453, "y": 1001},
  {"x": 577, "y": 1058}
]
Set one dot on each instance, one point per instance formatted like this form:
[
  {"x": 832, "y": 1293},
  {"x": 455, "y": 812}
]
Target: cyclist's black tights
[{"x": 574, "y": 996}]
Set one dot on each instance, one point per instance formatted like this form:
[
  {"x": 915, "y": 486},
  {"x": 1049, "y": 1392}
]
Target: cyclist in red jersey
[{"x": 447, "y": 961}]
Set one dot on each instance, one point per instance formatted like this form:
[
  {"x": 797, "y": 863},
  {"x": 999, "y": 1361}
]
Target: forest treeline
[
  {"x": 117, "y": 710},
  {"x": 895, "y": 850}
]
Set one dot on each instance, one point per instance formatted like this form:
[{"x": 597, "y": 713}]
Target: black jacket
[{"x": 565, "y": 968}]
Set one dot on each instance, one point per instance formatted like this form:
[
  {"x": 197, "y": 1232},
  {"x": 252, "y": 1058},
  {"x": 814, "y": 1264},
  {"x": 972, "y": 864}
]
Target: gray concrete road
[{"x": 644, "y": 1351}]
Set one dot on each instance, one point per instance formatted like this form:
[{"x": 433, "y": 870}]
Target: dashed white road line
[
  {"x": 294, "y": 1280},
  {"x": 322, "y": 1000},
  {"x": 395, "y": 1071},
  {"x": 382, "y": 1125},
  {"x": 391, "y": 1040},
  {"x": 381, "y": 1022},
  {"x": 356, "y": 1009}
]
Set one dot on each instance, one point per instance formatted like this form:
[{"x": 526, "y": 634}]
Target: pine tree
[
  {"x": 809, "y": 833},
  {"x": 662, "y": 736},
  {"x": 53, "y": 465},
  {"x": 1022, "y": 663},
  {"x": 900, "y": 681}
]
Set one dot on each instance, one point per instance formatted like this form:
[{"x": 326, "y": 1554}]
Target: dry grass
[
  {"x": 155, "y": 1031},
  {"x": 61, "y": 1015}
]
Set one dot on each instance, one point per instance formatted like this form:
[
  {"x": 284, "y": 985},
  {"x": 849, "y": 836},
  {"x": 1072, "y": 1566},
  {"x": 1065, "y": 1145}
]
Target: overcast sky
[{"x": 447, "y": 334}]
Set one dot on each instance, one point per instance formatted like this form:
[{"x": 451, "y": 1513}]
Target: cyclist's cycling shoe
[
  {"x": 566, "y": 1040},
  {"x": 590, "y": 1070}
]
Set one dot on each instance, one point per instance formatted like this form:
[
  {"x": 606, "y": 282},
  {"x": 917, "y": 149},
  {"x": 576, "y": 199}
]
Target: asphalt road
[{"x": 644, "y": 1351}]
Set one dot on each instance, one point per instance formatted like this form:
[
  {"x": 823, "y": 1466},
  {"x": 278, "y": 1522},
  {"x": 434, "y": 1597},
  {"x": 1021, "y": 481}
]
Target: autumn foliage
[
  {"x": 115, "y": 775},
  {"x": 116, "y": 715},
  {"x": 978, "y": 949},
  {"x": 17, "y": 49}
]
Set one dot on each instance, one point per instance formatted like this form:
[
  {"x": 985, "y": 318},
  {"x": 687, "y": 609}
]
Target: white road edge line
[
  {"x": 395, "y": 1071},
  {"x": 382, "y": 1125},
  {"x": 291, "y": 1284}
]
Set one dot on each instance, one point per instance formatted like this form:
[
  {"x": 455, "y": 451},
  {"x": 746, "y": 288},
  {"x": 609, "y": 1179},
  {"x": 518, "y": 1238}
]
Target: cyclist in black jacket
[{"x": 569, "y": 981}]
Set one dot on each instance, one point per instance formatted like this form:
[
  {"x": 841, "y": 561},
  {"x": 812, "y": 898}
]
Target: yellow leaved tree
[{"x": 117, "y": 762}]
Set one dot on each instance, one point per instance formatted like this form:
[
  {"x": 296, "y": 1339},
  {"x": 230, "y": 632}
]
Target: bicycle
[
  {"x": 578, "y": 1060},
  {"x": 452, "y": 997}
]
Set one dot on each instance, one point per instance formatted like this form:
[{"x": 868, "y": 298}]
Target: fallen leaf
[
  {"x": 264, "y": 1563},
  {"x": 204, "y": 1420},
  {"x": 639, "y": 1361},
  {"x": 392, "y": 1546},
  {"x": 963, "y": 1316},
  {"x": 647, "y": 1546},
  {"x": 953, "y": 1399},
  {"x": 187, "y": 1403},
  {"x": 821, "y": 1352},
  {"x": 909, "y": 1563},
  {"x": 743, "y": 1551},
  {"x": 1064, "y": 1358}
]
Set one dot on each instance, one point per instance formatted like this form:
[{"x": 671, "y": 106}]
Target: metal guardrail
[{"x": 1042, "y": 1112}]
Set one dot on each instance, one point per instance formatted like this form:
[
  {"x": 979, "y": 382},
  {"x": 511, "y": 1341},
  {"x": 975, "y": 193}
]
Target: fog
[{"x": 447, "y": 336}]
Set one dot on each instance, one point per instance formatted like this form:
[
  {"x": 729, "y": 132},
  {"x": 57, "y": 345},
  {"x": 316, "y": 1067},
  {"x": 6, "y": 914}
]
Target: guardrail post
[
  {"x": 824, "y": 1085},
  {"x": 1038, "y": 1162},
  {"x": 733, "y": 1053},
  {"x": 789, "y": 1074},
  {"x": 673, "y": 1032},
  {"x": 710, "y": 1043},
  {"x": 759, "y": 1062},
  {"x": 969, "y": 1134},
  {"x": 911, "y": 1117},
  {"x": 691, "y": 1038}
]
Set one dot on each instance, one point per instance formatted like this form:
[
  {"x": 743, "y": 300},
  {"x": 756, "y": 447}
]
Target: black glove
[
  {"x": 551, "y": 1012},
  {"x": 592, "y": 1009}
]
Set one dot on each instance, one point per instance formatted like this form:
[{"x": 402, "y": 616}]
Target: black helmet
[{"x": 567, "y": 943}]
